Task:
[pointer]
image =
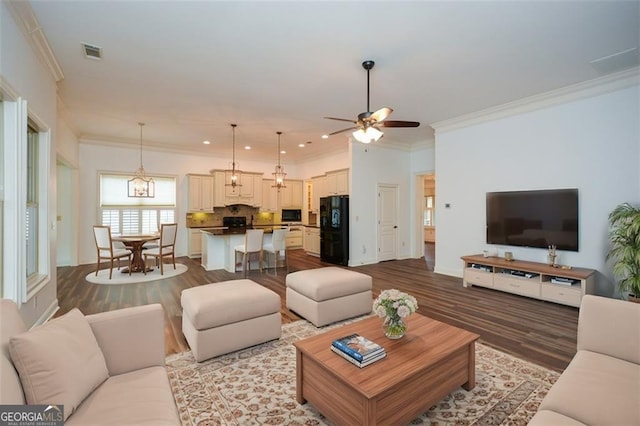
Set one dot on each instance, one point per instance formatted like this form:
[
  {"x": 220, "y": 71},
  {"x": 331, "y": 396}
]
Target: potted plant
[{"x": 624, "y": 236}]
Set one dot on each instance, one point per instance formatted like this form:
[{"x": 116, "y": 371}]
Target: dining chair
[
  {"x": 106, "y": 249},
  {"x": 165, "y": 248},
  {"x": 252, "y": 244},
  {"x": 277, "y": 245}
]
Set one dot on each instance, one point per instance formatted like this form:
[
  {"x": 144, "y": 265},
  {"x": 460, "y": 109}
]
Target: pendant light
[
  {"x": 233, "y": 173},
  {"x": 141, "y": 186},
  {"x": 279, "y": 174}
]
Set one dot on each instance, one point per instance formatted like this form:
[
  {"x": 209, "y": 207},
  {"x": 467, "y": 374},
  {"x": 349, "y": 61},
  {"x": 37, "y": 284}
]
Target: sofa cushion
[
  {"x": 548, "y": 418},
  {"x": 59, "y": 362},
  {"x": 597, "y": 389},
  {"x": 141, "y": 397},
  {"x": 10, "y": 324}
]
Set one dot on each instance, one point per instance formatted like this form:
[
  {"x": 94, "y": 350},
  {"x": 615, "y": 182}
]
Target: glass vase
[{"x": 394, "y": 327}]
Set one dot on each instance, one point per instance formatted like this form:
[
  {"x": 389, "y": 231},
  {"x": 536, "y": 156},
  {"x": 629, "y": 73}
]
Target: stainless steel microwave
[{"x": 294, "y": 215}]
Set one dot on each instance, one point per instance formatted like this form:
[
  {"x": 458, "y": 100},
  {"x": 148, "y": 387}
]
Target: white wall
[
  {"x": 100, "y": 158},
  {"x": 592, "y": 144},
  {"x": 371, "y": 165},
  {"x": 29, "y": 79},
  {"x": 330, "y": 162}
]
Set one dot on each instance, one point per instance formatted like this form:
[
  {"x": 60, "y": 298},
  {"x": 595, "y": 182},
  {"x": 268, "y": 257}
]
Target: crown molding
[
  {"x": 7, "y": 92},
  {"x": 28, "y": 23},
  {"x": 585, "y": 89}
]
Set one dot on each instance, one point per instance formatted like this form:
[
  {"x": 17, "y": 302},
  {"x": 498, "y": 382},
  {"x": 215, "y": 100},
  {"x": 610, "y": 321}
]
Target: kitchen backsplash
[{"x": 213, "y": 219}]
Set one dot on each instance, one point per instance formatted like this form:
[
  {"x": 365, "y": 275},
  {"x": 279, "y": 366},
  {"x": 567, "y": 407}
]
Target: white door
[{"x": 387, "y": 222}]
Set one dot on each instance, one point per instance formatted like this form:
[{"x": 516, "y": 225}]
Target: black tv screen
[{"x": 533, "y": 218}]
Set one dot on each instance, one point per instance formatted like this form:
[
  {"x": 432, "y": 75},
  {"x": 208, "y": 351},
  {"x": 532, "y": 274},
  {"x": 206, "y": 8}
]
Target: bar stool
[
  {"x": 278, "y": 244},
  {"x": 252, "y": 244}
]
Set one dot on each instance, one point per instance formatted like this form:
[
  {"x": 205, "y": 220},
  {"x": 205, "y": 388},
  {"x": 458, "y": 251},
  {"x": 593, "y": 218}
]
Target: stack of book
[{"x": 358, "y": 350}]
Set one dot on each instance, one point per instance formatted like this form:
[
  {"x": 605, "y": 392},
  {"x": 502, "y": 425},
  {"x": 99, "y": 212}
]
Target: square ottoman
[
  {"x": 227, "y": 316},
  {"x": 326, "y": 295}
]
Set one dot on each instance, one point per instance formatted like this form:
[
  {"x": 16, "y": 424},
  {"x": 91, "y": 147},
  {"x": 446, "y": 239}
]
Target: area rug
[
  {"x": 257, "y": 386},
  {"x": 136, "y": 277}
]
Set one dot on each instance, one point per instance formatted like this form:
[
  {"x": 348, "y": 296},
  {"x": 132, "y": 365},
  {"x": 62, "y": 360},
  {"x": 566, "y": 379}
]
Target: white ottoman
[
  {"x": 327, "y": 295},
  {"x": 223, "y": 317}
]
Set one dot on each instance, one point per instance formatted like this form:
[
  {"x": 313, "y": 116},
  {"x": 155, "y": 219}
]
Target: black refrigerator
[{"x": 334, "y": 229}]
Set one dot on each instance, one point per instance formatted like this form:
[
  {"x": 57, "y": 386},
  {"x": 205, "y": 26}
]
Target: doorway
[
  {"x": 387, "y": 222},
  {"x": 427, "y": 199}
]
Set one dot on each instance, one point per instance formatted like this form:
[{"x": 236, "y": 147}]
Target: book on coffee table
[
  {"x": 358, "y": 347},
  {"x": 354, "y": 361}
]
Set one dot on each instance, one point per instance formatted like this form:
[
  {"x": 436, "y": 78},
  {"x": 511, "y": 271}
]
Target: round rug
[{"x": 136, "y": 277}]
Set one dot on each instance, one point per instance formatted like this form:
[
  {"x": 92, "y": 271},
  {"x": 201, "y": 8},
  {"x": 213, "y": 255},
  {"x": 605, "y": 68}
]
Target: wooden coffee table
[{"x": 429, "y": 362}]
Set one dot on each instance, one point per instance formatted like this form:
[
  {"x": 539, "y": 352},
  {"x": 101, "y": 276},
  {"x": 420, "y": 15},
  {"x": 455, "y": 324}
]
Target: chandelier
[
  {"x": 141, "y": 186},
  {"x": 234, "y": 178},
  {"x": 279, "y": 174}
]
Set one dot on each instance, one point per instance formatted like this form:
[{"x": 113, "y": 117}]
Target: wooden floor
[{"x": 541, "y": 332}]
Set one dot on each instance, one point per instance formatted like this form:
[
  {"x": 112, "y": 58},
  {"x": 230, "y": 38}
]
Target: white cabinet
[
  {"x": 248, "y": 190},
  {"x": 269, "y": 197},
  {"x": 200, "y": 193},
  {"x": 195, "y": 243},
  {"x": 312, "y": 241},
  {"x": 291, "y": 195},
  {"x": 294, "y": 238},
  {"x": 338, "y": 182},
  {"x": 316, "y": 192}
]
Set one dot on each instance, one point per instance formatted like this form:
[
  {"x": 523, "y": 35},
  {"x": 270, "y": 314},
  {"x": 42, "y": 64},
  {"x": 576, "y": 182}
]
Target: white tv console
[{"x": 530, "y": 279}]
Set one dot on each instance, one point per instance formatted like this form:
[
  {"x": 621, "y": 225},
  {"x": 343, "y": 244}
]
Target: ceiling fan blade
[
  {"x": 398, "y": 123},
  {"x": 341, "y": 119},
  {"x": 343, "y": 130},
  {"x": 381, "y": 114}
]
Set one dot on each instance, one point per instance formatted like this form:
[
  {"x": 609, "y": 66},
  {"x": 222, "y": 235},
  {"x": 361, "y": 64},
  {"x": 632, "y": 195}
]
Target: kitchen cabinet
[
  {"x": 294, "y": 238},
  {"x": 338, "y": 182},
  {"x": 312, "y": 241},
  {"x": 269, "y": 197},
  {"x": 316, "y": 191},
  {"x": 248, "y": 191},
  {"x": 291, "y": 195},
  {"x": 195, "y": 243},
  {"x": 200, "y": 191},
  {"x": 319, "y": 190}
]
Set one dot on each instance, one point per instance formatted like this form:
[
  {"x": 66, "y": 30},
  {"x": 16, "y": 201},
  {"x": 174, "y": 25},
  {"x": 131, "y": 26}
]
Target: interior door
[{"x": 387, "y": 222}]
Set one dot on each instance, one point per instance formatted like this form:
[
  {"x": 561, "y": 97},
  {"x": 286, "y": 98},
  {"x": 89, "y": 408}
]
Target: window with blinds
[
  {"x": 126, "y": 215},
  {"x": 31, "y": 213}
]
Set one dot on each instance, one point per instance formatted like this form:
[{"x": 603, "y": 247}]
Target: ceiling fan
[{"x": 367, "y": 126}]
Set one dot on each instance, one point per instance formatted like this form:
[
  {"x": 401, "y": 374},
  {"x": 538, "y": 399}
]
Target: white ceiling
[{"x": 190, "y": 68}]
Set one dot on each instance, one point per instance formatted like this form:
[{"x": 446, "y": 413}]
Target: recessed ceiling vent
[{"x": 92, "y": 52}]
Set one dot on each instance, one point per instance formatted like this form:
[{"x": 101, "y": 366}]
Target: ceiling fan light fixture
[{"x": 368, "y": 135}]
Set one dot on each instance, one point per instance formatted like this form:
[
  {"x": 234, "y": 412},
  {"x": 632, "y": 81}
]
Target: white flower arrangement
[{"x": 394, "y": 303}]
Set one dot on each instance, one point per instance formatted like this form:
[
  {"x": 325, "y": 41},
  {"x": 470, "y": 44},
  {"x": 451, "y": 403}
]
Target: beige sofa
[
  {"x": 106, "y": 368},
  {"x": 601, "y": 385}
]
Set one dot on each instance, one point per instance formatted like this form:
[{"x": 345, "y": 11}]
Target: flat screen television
[{"x": 538, "y": 218}]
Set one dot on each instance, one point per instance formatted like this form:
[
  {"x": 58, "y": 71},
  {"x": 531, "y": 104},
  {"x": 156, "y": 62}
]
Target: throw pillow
[{"x": 59, "y": 362}]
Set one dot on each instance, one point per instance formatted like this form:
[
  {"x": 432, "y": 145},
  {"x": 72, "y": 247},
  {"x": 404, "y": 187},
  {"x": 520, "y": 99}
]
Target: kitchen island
[{"x": 218, "y": 249}]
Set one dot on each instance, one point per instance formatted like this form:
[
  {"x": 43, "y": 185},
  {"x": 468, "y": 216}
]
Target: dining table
[{"x": 135, "y": 243}]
